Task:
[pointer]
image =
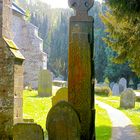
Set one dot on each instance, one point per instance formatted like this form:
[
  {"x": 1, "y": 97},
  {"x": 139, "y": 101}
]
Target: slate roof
[{"x": 18, "y": 9}]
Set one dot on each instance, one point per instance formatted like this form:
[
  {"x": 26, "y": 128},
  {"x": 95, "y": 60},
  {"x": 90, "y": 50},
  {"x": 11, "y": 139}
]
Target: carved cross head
[{"x": 81, "y": 6}]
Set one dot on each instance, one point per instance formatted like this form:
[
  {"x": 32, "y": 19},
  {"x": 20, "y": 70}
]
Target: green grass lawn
[
  {"x": 103, "y": 124},
  {"x": 35, "y": 107},
  {"x": 133, "y": 114}
]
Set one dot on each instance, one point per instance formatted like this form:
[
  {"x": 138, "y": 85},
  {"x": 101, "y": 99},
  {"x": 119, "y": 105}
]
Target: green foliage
[
  {"x": 106, "y": 80},
  {"x": 103, "y": 124},
  {"x": 103, "y": 90},
  {"x": 28, "y": 15},
  {"x": 53, "y": 29},
  {"x": 100, "y": 56},
  {"x": 123, "y": 34}
]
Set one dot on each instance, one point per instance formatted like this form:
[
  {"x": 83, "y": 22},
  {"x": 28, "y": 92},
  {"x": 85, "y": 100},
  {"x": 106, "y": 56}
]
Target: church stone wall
[{"x": 31, "y": 45}]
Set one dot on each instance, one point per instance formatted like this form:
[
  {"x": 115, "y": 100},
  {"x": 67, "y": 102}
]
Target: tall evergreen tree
[{"x": 123, "y": 30}]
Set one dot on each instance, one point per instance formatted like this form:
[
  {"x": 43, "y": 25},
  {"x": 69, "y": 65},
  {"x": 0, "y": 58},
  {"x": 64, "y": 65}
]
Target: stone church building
[{"x": 25, "y": 35}]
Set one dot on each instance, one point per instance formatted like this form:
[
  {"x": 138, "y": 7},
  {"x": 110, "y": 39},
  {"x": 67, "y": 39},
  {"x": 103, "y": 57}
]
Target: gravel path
[{"x": 123, "y": 128}]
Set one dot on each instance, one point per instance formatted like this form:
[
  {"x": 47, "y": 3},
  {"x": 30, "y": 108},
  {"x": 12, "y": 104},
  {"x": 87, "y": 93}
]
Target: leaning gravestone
[
  {"x": 61, "y": 95},
  {"x": 63, "y": 122},
  {"x": 45, "y": 83},
  {"x": 27, "y": 131},
  {"x": 127, "y": 99},
  {"x": 115, "y": 90},
  {"x": 123, "y": 84}
]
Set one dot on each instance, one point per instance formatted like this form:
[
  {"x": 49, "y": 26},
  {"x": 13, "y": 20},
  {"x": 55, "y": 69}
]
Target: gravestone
[
  {"x": 138, "y": 86},
  {"x": 121, "y": 88},
  {"x": 11, "y": 74},
  {"x": 111, "y": 85},
  {"x": 115, "y": 90},
  {"x": 123, "y": 84},
  {"x": 63, "y": 122},
  {"x": 61, "y": 95},
  {"x": 45, "y": 83},
  {"x": 131, "y": 84},
  {"x": 127, "y": 99},
  {"x": 80, "y": 66},
  {"x": 27, "y": 131}
]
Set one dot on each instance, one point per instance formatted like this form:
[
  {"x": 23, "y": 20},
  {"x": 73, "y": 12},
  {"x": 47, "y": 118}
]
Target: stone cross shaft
[{"x": 80, "y": 66}]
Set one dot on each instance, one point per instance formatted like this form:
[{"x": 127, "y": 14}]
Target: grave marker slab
[
  {"x": 111, "y": 85},
  {"x": 45, "y": 83},
  {"x": 123, "y": 83},
  {"x": 138, "y": 86},
  {"x": 61, "y": 95},
  {"x": 116, "y": 90},
  {"x": 63, "y": 122},
  {"x": 127, "y": 99},
  {"x": 27, "y": 131}
]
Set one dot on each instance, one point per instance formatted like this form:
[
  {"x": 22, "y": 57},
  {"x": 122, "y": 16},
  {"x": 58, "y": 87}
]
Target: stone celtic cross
[
  {"x": 81, "y": 6},
  {"x": 80, "y": 66}
]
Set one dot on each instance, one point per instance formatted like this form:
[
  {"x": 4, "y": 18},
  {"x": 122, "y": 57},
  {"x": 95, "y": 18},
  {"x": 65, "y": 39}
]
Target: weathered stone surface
[
  {"x": 127, "y": 99},
  {"x": 60, "y": 83},
  {"x": 10, "y": 62},
  {"x": 61, "y": 95},
  {"x": 116, "y": 90},
  {"x": 45, "y": 83},
  {"x": 27, "y": 131},
  {"x": 123, "y": 83},
  {"x": 26, "y": 37},
  {"x": 18, "y": 97},
  {"x": 80, "y": 66},
  {"x": 111, "y": 85},
  {"x": 63, "y": 123},
  {"x": 138, "y": 86},
  {"x": 121, "y": 88}
]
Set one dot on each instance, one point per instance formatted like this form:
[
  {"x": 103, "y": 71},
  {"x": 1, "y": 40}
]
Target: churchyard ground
[{"x": 37, "y": 108}]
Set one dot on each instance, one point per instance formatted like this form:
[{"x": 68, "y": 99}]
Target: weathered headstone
[
  {"x": 123, "y": 83},
  {"x": 115, "y": 90},
  {"x": 45, "y": 83},
  {"x": 27, "y": 131},
  {"x": 61, "y": 95},
  {"x": 127, "y": 99},
  {"x": 121, "y": 88},
  {"x": 111, "y": 85},
  {"x": 11, "y": 74},
  {"x": 63, "y": 122},
  {"x": 131, "y": 83},
  {"x": 138, "y": 86},
  {"x": 80, "y": 67}
]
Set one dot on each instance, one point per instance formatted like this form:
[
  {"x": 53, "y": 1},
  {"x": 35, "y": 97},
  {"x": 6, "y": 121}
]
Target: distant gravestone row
[{"x": 118, "y": 88}]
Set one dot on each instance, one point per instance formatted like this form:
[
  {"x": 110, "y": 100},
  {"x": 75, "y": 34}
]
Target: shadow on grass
[{"x": 128, "y": 132}]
